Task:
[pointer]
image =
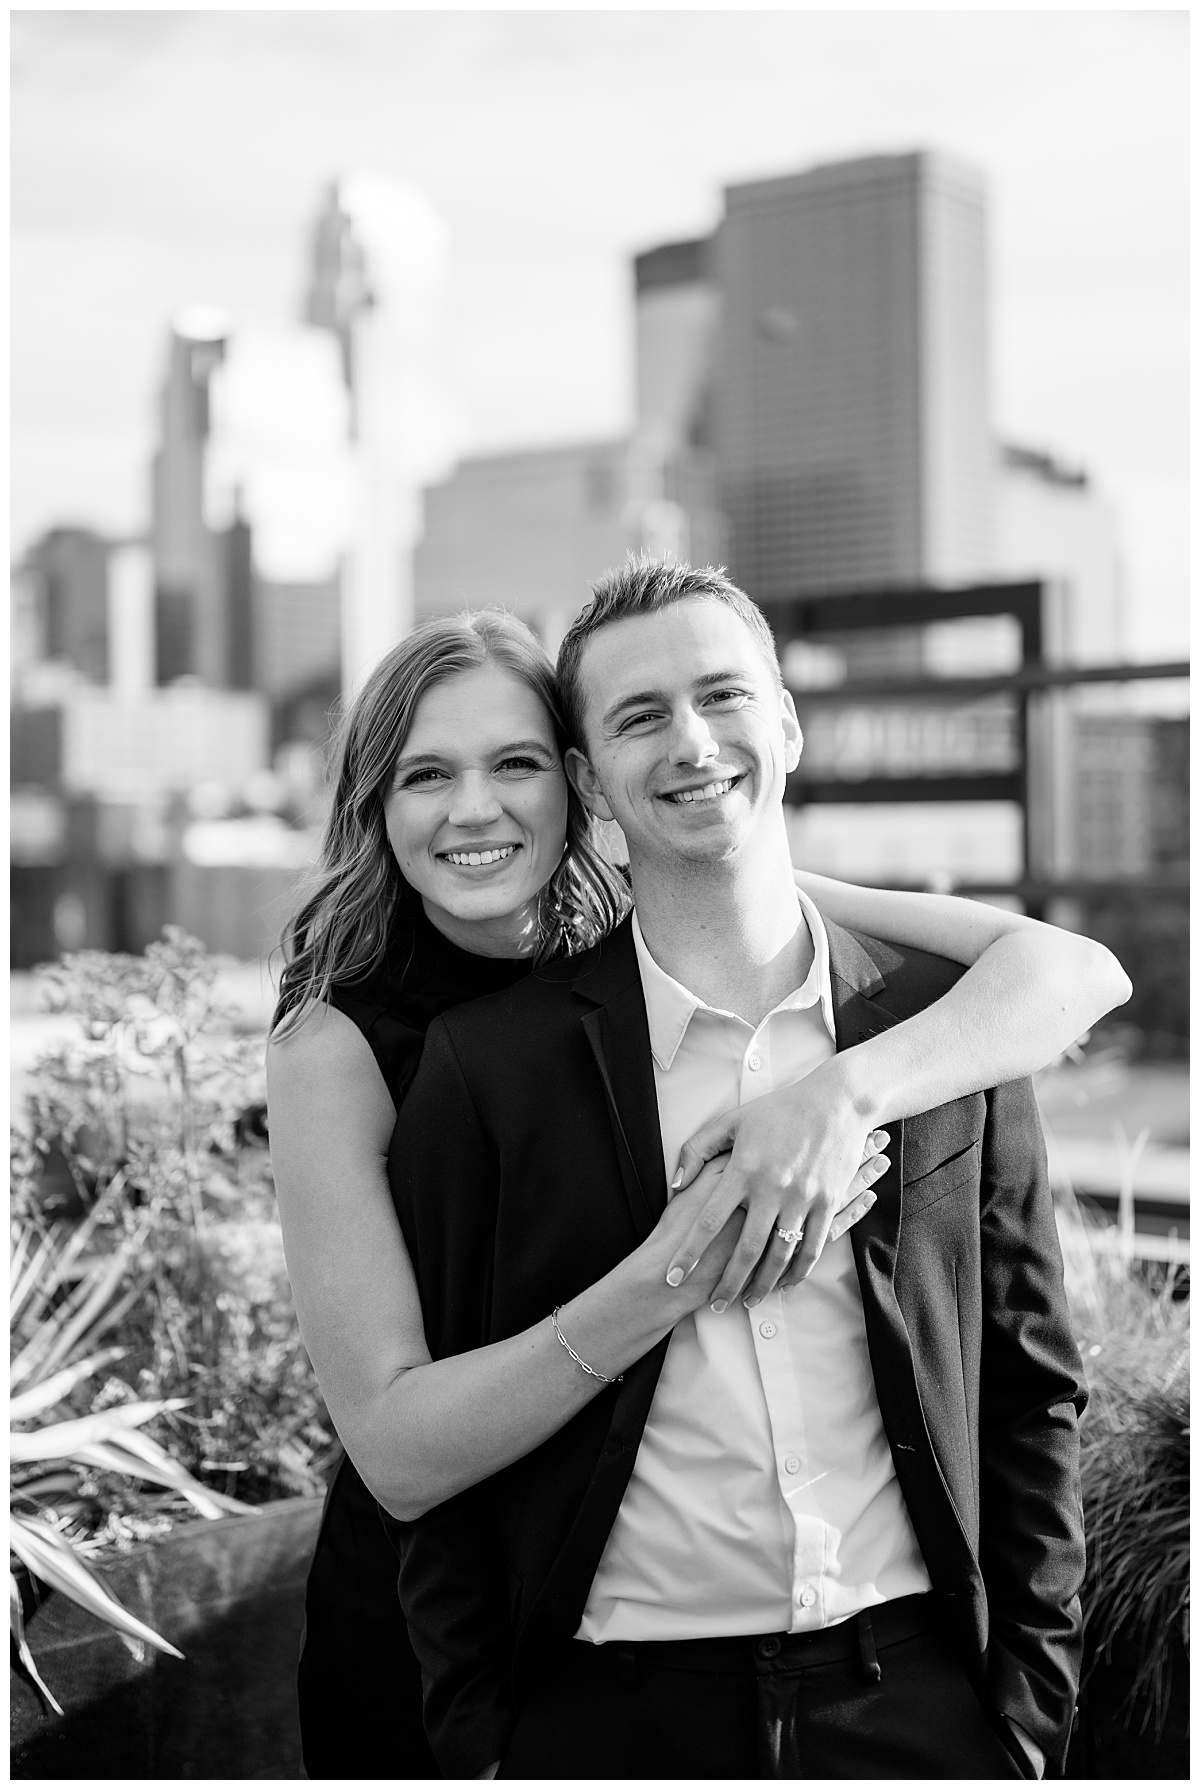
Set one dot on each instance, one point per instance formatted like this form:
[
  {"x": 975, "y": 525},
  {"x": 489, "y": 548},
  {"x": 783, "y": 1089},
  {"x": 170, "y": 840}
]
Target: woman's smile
[{"x": 472, "y": 857}]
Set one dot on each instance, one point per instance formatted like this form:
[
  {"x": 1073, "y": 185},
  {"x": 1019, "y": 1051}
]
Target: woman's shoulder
[{"x": 325, "y": 1039}]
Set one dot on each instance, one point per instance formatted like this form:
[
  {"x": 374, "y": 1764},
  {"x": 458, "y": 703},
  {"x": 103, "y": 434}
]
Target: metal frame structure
[{"x": 802, "y": 618}]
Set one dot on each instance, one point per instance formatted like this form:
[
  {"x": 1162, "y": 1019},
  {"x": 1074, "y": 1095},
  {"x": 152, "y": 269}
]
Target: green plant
[
  {"x": 170, "y": 1256},
  {"x": 1133, "y": 1327},
  {"x": 63, "y": 1302}
]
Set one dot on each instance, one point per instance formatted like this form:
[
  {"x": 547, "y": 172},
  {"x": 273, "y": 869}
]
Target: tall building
[
  {"x": 852, "y": 392},
  {"x": 191, "y": 623},
  {"x": 62, "y": 604},
  {"x": 673, "y": 472},
  {"x": 1050, "y": 522},
  {"x": 527, "y": 530},
  {"x": 377, "y": 283}
]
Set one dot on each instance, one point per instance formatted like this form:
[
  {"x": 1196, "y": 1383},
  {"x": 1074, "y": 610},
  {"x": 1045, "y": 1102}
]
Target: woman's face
[{"x": 477, "y": 811}]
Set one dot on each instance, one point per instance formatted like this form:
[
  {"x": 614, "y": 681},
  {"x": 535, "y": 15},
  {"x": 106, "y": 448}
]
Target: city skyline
[{"x": 79, "y": 432}]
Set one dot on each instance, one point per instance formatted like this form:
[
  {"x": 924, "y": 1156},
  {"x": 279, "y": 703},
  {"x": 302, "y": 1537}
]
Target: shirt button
[
  {"x": 767, "y": 1330},
  {"x": 792, "y": 1464},
  {"x": 808, "y": 1597},
  {"x": 754, "y": 1062}
]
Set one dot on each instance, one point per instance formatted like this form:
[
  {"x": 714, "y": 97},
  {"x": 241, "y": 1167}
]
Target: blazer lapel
[
  {"x": 875, "y": 1239},
  {"x": 619, "y": 1036}
]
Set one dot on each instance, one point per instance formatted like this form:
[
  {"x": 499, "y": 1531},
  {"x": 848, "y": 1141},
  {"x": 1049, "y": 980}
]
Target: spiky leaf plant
[
  {"x": 63, "y": 1302},
  {"x": 1133, "y": 1327}
]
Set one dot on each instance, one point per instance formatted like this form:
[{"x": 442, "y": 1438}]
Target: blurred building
[
  {"x": 60, "y": 605},
  {"x": 674, "y": 495},
  {"x": 527, "y": 530},
  {"x": 1050, "y": 522},
  {"x": 192, "y": 622},
  {"x": 853, "y": 425},
  {"x": 377, "y": 280},
  {"x": 811, "y": 399},
  {"x": 1130, "y": 774},
  {"x": 102, "y": 786}
]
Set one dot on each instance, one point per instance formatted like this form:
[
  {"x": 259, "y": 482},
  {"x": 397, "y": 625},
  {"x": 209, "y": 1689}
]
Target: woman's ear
[{"x": 586, "y": 784}]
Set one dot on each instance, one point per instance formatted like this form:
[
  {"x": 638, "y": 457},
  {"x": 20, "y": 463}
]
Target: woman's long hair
[{"x": 339, "y": 931}]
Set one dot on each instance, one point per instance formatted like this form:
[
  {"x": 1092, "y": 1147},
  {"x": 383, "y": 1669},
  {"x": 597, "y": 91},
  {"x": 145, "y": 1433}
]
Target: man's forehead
[{"x": 682, "y": 643}]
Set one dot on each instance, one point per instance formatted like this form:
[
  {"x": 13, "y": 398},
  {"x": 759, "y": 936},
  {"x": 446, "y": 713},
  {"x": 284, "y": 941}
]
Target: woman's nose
[{"x": 475, "y": 803}]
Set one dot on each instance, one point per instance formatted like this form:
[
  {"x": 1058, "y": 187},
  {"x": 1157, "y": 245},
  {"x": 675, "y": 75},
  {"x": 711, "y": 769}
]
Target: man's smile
[{"x": 708, "y": 792}]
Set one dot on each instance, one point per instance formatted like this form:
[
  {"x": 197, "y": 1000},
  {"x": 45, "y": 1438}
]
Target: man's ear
[
  {"x": 587, "y": 784},
  {"x": 793, "y": 738}
]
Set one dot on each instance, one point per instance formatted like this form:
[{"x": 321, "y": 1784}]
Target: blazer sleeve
[
  {"x": 445, "y": 1180},
  {"x": 1032, "y": 1393}
]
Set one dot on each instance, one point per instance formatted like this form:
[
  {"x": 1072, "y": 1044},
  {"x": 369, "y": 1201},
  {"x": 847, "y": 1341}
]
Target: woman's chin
[{"x": 509, "y": 914}]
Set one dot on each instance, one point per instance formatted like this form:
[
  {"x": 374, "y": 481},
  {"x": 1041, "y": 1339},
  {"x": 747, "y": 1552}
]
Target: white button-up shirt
[{"x": 763, "y": 1498}]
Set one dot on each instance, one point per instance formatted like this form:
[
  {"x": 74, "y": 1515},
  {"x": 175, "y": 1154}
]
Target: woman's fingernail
[
  {"x": 881, "y": 1163},
  {"x": 718, "y": 1305},
  {"x": 678, "y": 1178},
  {"x": 868, "y": 1201},
  {"x": 751, "y": 1300},
  {"x": 674, "y": 1277}
]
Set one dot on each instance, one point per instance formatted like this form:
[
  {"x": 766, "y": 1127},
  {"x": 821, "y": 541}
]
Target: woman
[{"x": 457, "y": 736}]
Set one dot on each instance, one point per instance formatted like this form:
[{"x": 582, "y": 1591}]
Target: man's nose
[
  {"x": 475, "y": 802},
  {"x": 691, "y": 739}
]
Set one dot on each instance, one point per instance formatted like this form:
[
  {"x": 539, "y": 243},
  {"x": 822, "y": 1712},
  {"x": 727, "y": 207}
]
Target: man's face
[{"x": 689, "y": 736}]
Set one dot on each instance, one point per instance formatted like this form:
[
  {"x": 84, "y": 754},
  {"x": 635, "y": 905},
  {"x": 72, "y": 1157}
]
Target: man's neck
[{"x": 732, "y": 933}]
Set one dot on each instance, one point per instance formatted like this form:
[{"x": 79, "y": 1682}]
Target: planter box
[{"x": 230, "y": 1595}]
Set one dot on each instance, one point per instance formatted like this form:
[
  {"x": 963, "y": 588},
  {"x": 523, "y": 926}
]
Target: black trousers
[
  {"x": 359, "y": 1684},
  {"x": 847, "y": 1702}
]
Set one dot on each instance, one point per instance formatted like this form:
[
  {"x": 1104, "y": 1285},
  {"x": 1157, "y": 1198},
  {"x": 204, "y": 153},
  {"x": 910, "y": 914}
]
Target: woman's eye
[
  {"x": 429, "y": 775},
  {"x": 519, "y": 764}
]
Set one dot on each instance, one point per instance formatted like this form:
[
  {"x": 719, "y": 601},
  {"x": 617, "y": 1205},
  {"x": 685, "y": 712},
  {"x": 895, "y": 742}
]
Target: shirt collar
[{"x": 670, "y": 1006}]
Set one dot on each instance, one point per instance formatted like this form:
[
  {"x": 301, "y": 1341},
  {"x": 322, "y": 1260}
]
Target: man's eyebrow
[
  {"x": 646, "y": 698},
  {"x": 637, "y": 699}
]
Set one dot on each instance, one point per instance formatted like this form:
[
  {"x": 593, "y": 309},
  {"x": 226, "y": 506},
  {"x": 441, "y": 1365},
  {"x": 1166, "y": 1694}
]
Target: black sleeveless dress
[{"x": 359, "y": 1683}]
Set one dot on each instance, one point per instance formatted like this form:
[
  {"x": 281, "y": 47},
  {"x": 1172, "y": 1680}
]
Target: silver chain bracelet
[{"x": 578, "y": 1359}]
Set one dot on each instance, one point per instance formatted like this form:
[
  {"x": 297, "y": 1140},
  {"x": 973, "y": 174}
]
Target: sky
[{"x": 163, "y": 158}]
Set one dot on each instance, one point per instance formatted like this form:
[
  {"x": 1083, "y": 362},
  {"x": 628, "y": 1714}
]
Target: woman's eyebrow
[
  {"x": 413, "y": 761},
  {"x": 524, "y": 746},
  {"x": 418, "y": 758}
]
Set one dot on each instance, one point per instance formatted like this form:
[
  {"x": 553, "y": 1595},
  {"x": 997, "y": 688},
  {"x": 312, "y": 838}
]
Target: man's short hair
[{"x": 643, "y": 586}]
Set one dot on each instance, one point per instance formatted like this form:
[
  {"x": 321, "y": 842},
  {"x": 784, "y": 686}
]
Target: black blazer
[{"x": 528, "y": 1161}]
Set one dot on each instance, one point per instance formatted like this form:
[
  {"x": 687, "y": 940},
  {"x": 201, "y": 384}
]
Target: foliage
[
  {"x": 63, "y": 1301},
  {"x": 1133, "y": 1325},
  {"x": 152, "y": 1113}
]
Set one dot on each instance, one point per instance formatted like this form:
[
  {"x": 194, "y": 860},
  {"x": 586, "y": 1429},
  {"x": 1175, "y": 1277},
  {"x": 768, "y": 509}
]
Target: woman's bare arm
[
  {"x": 418, "y": 1430},
  {"x": 1030, "y": 990}
]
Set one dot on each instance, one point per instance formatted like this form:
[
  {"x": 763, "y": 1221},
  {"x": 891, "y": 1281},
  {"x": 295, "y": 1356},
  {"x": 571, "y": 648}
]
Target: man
[{"x": 837, "y": 1533}]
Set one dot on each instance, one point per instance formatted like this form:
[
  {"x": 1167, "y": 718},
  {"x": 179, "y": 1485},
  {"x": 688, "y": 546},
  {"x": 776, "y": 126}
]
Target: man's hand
[
  {"x": 1028, "y": 1746},
  {"x": 802, "y": 1159}
]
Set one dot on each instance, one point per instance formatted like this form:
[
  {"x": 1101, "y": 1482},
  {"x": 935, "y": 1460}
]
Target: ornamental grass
[{"x": 1133, "y": 1320}]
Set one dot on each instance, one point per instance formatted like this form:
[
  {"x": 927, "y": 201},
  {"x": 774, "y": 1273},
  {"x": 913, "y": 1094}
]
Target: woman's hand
[
  {"x": 679, "y": 1224},
  {"x": 802, "y": 1158}
]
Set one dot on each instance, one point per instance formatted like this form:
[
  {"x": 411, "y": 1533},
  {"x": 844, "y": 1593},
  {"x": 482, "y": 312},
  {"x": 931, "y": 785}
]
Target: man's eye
[
  {"x": 639, "y": 720},
  {"x": 727, "y": 695}
]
